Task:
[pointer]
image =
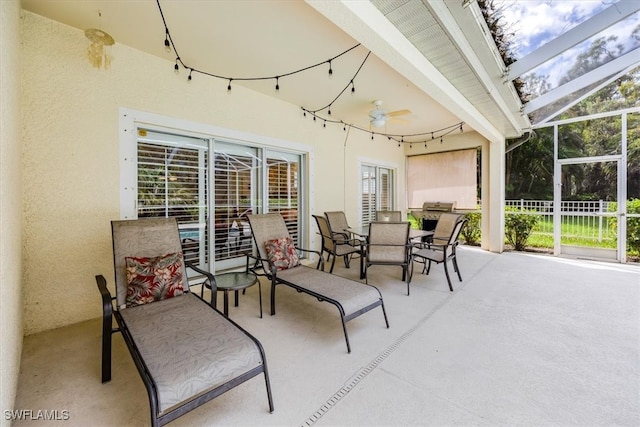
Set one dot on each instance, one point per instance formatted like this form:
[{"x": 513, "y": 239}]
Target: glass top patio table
[{"x": 413, "y": 233}]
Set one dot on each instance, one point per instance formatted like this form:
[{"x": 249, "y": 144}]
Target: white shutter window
[
  {"x": 283, "y": 171},
  {"x": 377, "y": 191},
  {"x": 172, "y": 182}
]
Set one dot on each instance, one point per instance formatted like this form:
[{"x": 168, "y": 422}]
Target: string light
[{"x": 169, "y": 46}]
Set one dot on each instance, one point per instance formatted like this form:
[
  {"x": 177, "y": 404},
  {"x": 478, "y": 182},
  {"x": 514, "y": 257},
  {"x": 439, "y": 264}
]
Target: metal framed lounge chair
[
  {"x": 441, "y": 250},
  {"x": 337, "y": 246},
  {"x": 388, "y": 244},
  {"x": 185, "y": 350},
  {"x": 278, "y": 260}
]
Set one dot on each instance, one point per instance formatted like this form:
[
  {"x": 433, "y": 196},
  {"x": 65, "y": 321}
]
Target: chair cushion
[
  {"x": 154, "y": 279},
  {"x": 353, "y": 296},
  {"x": 188, "y": 347},
  {"x": 282, "y": 253}
]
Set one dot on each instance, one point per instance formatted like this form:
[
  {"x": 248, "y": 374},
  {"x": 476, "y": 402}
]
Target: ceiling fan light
[{"x": 378, "y": 123}]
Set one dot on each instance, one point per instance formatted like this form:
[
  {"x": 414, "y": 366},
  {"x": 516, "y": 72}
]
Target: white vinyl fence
[{"x": 581, "y": 219}]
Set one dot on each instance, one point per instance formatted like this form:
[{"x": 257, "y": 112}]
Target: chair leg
[
  {"x": 446, "y": 272},
  {"x": 346, "y": 261},
  {"x": 455, "y": 265},
  {"x": 273, "y": 297},
  {"x": 346, "y": 337},
  {"x": 107, "y": 333},
  {"x": 332, "y": 264}
]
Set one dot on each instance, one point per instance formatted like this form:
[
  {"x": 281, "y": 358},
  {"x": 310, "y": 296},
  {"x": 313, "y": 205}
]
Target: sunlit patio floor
[{"x": 525, "y": 339}]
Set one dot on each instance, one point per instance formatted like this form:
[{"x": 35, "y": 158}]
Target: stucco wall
[
  {"x": 10, "y": 205},
  {"x": 70, "y": 161}
]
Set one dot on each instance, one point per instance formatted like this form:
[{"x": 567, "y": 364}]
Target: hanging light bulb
[
  {"x": 353, "y": 88},
  {"x": 277, "y": 84},
  {"x": 176, "y": 67},
  {"x": 461, "y": 128},
  {"x": 330, "y": 70},
  {"x": 167, "y": 45},
  {"x": 190, "y": 71},
  {"x": 329, "y": 110},
  {"x": 372, "y": 136},
  {"x": 229, "y": 86},
  {"x": 324, "y": 125},
  {"x": 440, "y": 140}
]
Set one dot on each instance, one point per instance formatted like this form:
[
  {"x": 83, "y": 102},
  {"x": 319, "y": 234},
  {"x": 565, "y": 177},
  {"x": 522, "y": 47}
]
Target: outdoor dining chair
[
  {"x": 336, "y": 246},
  {"x": 388, "y": 244},
  {"x": 441, "y": 251}
]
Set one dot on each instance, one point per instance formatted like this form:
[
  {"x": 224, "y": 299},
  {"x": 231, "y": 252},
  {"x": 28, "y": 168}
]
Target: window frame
[
  {"x": 129, "y": 122},
  {"x": 378, "y": 166}
]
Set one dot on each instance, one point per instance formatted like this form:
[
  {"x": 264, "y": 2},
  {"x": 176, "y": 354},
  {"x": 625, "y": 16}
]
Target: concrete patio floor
[{"x": 525, "y": 339}]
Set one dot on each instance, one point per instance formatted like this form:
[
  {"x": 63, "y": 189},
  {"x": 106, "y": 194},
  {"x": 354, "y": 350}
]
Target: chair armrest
[
  {"x": 107, "y": 305},
  {"x": 209, "y": 277},
  {"x": 320, "y": 258}
]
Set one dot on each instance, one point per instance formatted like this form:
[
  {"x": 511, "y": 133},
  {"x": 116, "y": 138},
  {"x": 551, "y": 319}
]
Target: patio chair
[
  {"x": 444, "y": 227},
  {"x": 393, "y": 216},
  {"x": 278, "y": 260},
  {"x": 185, "y": 350},
  {"x": 440, "y": 251},
  {"x": 336, "y": 246},
  {"x": 388, "y": 244},
  {"x": 338, "y": 224}
]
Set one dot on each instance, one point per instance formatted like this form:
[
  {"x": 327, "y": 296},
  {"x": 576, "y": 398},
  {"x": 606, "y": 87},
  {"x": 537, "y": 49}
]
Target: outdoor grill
[{"x": 431, "y": 212}]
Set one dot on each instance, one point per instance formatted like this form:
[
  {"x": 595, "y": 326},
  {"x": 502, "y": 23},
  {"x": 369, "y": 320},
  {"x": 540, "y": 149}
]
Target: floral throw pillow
[
  {"x": 282, "y": 253},
  {"x": 154, "y": 279}
]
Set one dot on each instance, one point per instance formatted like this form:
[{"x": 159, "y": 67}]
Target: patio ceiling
[{"x": 442, "y": 74}]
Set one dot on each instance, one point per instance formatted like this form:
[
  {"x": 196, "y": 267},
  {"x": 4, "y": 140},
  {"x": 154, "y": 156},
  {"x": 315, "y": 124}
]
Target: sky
[{"x": 535, "y": 22}]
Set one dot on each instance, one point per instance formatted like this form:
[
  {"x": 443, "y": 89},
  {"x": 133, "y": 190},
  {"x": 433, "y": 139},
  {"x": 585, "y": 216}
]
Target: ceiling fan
[{"x": 378, "y": 116}]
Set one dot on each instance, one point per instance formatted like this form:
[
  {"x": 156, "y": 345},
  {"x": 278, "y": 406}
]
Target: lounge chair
[
  {"x": 186, "y": 351},
  {"x": 278, "y": 260}
]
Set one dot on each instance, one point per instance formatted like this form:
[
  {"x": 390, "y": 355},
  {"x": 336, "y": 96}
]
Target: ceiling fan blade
[
  {"x": 398, "y": 120},
  {"x": 399, "y": 113}
]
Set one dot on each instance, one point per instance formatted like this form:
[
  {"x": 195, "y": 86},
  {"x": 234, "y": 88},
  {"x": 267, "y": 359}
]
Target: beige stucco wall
[
  {"x": 11, "y": 324},
  {"x": 71, "y": 166}
]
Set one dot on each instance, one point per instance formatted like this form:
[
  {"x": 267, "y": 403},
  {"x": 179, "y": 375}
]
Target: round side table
[{"x": 236, "y": 281}]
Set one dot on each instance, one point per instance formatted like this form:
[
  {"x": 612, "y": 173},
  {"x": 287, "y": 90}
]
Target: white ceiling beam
[
  {"x": 542, "y": 122},
  {"x": 623, "y": 62},
  {"x": 492, "y": 86},
  {"x": 366, "y": 24},
  {"x": 581, "y": 32}
]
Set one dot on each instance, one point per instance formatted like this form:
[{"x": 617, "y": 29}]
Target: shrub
[
  {"x": 518, "y": 226},
  {"x": 471, "y": 232},
  {"x": 633, "y": 224}
]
